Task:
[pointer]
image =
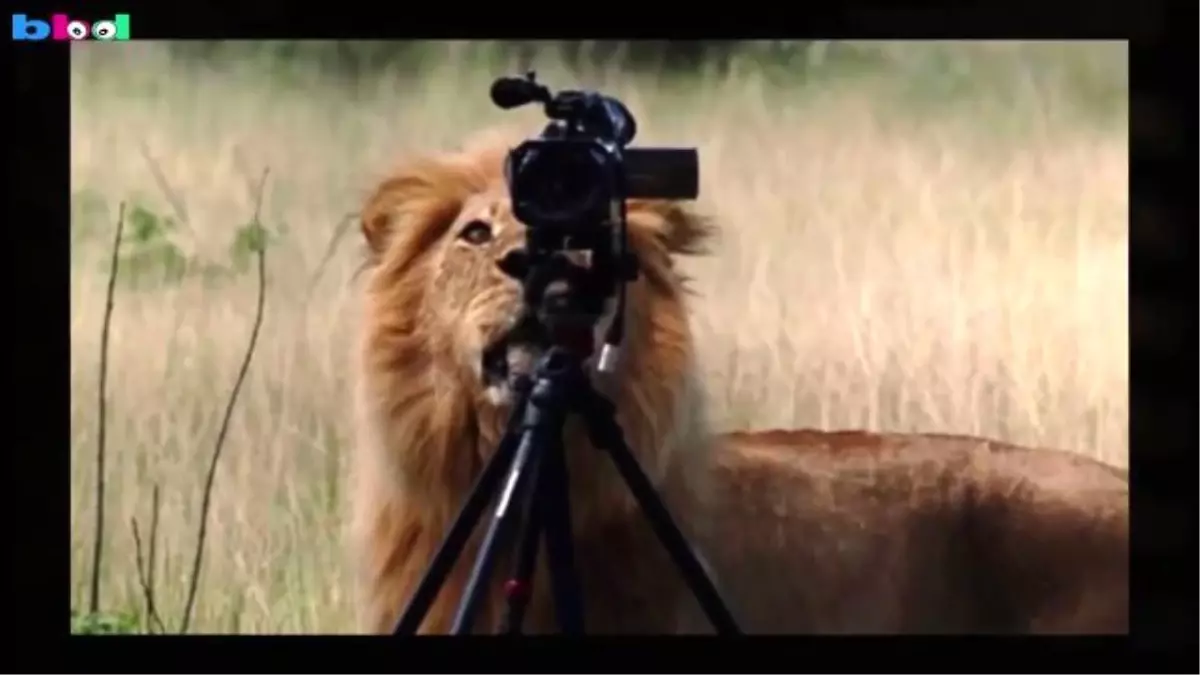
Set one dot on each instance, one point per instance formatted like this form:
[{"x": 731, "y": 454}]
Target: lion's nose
[{"x": 515, "y": 263}]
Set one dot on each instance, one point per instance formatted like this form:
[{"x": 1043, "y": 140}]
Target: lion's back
[{"x": 813, "y": 531}]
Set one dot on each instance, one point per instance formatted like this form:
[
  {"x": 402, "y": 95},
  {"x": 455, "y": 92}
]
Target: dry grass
[{"x": 964, "y": 271}]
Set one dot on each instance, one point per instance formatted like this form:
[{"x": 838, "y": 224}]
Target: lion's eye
[{"x": 476, "y": 232}]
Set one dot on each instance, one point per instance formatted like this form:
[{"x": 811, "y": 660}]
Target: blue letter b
[{"x": 24, "y": 29}]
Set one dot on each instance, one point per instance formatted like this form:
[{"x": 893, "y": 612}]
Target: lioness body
[
  {"x": 806, "y": 532},
  {"x": 824, "y": 532}
]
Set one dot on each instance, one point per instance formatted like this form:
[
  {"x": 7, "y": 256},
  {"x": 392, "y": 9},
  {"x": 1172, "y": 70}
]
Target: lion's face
[
  {"x": 447, "y": 330},
  {"x": 477, "y": 306},
  {"x": 478, "y": 303}
]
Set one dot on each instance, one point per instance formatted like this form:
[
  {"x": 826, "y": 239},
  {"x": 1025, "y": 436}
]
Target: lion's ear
[
  {"x": 375, "y": 222},
  {"x": 383, "y": 208},
  {"x": 681, "y": 230},
  {"x": 423, "y": 192}
]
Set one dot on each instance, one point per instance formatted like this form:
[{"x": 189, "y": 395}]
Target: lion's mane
[{"x": 425, "y": 430}]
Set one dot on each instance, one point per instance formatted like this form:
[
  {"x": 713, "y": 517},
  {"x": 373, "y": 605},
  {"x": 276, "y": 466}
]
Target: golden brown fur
[
  {"x": 433, "y": 304},
  {"x": 861, "y": 532},
  {"x": 805, "y": 531}
]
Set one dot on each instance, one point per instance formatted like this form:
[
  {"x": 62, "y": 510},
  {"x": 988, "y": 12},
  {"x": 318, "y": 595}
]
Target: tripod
[{"x": 532, "y": 451}]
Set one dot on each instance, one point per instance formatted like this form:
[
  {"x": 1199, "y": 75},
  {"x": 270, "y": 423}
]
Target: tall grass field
[{"x": 934, "y": 241}]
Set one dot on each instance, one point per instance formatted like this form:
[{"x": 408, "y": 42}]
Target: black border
[
  {"x": 865, "y": 19},
  {"x": 1163, "y": 403},
  {"x": 762, "y": 654},
  {"x": 1163, "y": 428},
  {"x": 38, "y": 289}
]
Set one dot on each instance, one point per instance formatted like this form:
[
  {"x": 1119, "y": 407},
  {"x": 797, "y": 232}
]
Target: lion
[{"x": 803, "y": 531}]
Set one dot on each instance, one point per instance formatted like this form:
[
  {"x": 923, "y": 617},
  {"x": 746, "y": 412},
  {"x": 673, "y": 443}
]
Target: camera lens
[{"x": 560, "y": 183}]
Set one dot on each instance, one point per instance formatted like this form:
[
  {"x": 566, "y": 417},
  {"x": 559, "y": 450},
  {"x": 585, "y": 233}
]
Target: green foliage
[
  {"x": 364, "y": 58},
  {"x": 1093, "y": 76},
  {"x": 249, "y": 240},
  {"x": 150, "y": 256},
  {"x": 1090, "y": 77},
  {"x": 148, "y": 253},
  {"x": 283, "y": 57},
  {"x": 104, "y": 623}
]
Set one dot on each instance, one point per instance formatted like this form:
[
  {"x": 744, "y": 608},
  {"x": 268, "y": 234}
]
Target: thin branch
[
  {"x": 160, "y": 178},
  {"x": 98, "y": 545},
  {"x": 242, "y": 166},
  {"x": 153, "y": 558},
  {"x": 342, "y": 227},
  {"x": 237, "y": 386},
  {"x": 145, "y": 565}
]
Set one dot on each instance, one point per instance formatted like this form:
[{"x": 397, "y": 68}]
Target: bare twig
[
  {"x": 98, "y": 545},
  {"x": 153, "y": 561},
  {"x": 145, "y": 565},
  {"x": 237, "y": 385},
  {"x": 243, "y": 168},
  {"x": 160, "y": 178},
  {"x": 331, "y": 248}
]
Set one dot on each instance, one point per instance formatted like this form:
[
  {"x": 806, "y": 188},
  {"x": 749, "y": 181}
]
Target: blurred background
[{"x": 915, "y": 236}]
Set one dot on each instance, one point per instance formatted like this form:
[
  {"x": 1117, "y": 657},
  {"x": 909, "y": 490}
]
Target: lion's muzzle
[
  {"x": 512, "y": 355},
  {"x": 516, "y": 352}
]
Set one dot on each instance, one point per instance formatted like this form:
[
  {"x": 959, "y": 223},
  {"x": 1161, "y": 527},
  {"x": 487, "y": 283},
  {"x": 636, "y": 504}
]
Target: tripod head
[{"x": 569, "y": 186}]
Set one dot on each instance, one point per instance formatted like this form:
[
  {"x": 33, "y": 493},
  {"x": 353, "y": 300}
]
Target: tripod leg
[
  {"x": 554, "y": 502},
  {"x": 606, "y": 434},
  {"x": 518, "y": 588},
  {"x": 497, "y": 532},
  {"x": 460, "y": 531}
]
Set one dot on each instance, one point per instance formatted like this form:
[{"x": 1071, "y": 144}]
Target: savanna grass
[{"x": 893, "y": 256}]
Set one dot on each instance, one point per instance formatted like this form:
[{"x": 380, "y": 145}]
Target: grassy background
[{"x": 932, "y": 238}]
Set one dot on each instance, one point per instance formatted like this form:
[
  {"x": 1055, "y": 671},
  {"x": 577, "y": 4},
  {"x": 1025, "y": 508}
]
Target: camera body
[{"x": 571, "y": 183}]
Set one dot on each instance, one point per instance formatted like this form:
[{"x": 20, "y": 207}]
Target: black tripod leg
[
  {"x": 515, "y": 486},
  {"x": 555, "y": 505},
  {"x": 518, "y": 588},
  {"x": 606, "y": 434},
  {"x": 460, "y": 531}
]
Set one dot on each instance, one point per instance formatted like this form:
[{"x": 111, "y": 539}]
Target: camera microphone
[{"x": 512, "y": 92}]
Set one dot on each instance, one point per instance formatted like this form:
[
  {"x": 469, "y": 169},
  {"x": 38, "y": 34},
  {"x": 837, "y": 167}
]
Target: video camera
[
  {"x": 579, "y": 173},
  {"x": 569, "y": 187}
]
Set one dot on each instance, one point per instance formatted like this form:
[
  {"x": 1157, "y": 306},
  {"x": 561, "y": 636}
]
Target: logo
[{"x": 61, "y": 27}]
